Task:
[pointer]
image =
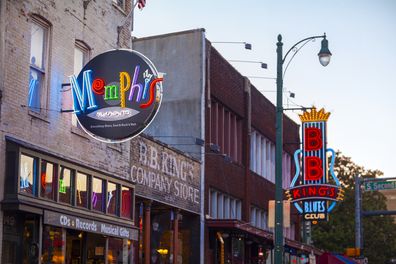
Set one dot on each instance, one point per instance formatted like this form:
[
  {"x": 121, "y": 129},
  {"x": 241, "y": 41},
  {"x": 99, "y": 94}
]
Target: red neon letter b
[
  {"x": 313, "y": 138},
  {"x": 313, "y": 168}
]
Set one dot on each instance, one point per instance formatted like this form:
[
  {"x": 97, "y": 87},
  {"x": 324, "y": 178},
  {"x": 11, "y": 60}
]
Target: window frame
[
  {"x": 86, "y": 51},
  {"x": 45, "y": 70},
  {"x": 90, "y": 173}
]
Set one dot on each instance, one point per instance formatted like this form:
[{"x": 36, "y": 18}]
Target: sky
[{"x": 358, "y": 87}]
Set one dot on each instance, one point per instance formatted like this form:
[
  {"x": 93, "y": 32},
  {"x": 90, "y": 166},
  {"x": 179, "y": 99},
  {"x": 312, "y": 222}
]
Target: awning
[
  {"x": 328, "y": 258},
  {"x": 239, "y": 226},
  {"x": 247, "y": 228}
]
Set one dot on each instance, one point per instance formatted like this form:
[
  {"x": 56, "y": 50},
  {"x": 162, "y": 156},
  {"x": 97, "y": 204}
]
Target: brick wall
[{"x": 95, "y": 25}]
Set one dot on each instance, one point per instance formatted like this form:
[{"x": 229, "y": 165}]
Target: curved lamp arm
[{"x": 295, "y": 45}]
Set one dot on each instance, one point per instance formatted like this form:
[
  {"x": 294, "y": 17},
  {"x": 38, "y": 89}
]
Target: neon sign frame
[
  {"x": 313, "y": 193},
  {"x": 116, "y": 95}
]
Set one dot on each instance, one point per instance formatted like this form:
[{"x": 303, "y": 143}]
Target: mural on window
[
  {"x": 65, "y": 185},
  {"x": 48, "y": 180},
  {"x": 126, "y": 209},
  {"x": 27, "y": 180},
  {"x": 112, "y": 198},
  {"x": 97, "y": 194},
  {"x": 82, "y": 190}
]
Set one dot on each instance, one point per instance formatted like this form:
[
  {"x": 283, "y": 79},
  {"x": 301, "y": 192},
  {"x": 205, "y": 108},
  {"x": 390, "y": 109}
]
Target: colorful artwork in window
[
  {"x": 48, "y": 180},
  {"x": 126, "y": 197},
  {"x": 97, "y": 194},
  {"x": 27, "y": 179},
  {"x": 65, "y": 185},
  {"x": 112, "y": 198},
  {"x": 82, "y": 190},
  {"x": 35, "y": 80}
]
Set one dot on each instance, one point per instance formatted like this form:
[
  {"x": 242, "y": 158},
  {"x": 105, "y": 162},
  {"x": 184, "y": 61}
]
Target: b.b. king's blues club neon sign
[
  {"x": 315, "y": 188},
  {"x": 116, "y": 95}
]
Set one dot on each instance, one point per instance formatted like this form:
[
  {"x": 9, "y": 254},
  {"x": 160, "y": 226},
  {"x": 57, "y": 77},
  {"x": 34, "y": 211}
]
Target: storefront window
[
  {"x": 126, "y": 197},
  {"x": 96, "y": 248},
  {"x": 48, "y": 180},
  {"x": 161, "y": 238},
  {"x": 97, "y": 194},
  {"x": 27, "y": 180},
  {"x": 112, "y": 198},
  {"x": 117, "y": 252},
  {"x": 65, "y": 185},
  {"x": 52, "y": 245},
  {"x": 82, "y": 190}
]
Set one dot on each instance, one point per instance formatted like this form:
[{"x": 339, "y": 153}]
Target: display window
[
  {"x": 65, "y": 185},
  {"x": 27, "y": 178},
  {"x": 98, "y": 197},
  {"x": 127, "y": 202},
  {"x": 112, "y": 198},
  {"x": 52, "y": 245},
  {"x": 48, "y": 180},
  {"x": 82, "y": 190}
]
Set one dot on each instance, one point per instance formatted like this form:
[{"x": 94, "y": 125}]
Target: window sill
[
  {"x": 122, "y": 10},
  {"x": 79, "y": 132},
  {"x": 115, "y": 146},
  {"x": 39, "y": 116}
]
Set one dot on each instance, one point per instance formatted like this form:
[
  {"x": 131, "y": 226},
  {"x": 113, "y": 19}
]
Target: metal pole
[
  {"x": 278, "y": 156},
  {"x": 358, "y": 215}
]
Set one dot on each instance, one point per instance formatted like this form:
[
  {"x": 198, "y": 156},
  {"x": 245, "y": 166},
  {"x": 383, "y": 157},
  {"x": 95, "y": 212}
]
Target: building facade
[
  {"x": 65, "y": 197},
  {"x": 206, "y": 99},
  {"x": 168, "y": 202}
]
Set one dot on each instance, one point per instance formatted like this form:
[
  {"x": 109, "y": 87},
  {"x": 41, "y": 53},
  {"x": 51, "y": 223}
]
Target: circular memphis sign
[{"x": 116, "y": 95}]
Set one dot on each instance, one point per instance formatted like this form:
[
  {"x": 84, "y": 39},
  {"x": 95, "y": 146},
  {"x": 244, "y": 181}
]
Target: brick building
[
  {"x": 56, "y": 181},
  {"x": 206, "y": 98}
]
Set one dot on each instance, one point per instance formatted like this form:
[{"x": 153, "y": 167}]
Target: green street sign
[{"x": 379, "y": 185}]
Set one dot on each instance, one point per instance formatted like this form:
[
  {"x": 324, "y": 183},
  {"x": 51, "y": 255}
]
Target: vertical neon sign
[{"x": 315, "y": 188}]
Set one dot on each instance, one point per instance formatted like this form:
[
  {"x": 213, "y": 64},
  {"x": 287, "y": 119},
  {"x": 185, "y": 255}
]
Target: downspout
[{"x": 202, "y": 214}]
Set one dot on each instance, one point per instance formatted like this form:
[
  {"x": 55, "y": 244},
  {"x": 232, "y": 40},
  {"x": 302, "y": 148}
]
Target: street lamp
[
  {"x": 262, "y": 64},
  {"x": 248, "y": 46},
  {"x": 324, "y": 58}
]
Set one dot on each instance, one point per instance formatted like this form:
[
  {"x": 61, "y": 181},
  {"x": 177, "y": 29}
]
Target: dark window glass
[
  {"x": 112, "y": 198},
  {"x": 98, "y": 197},
  {"x": 48, "y": 180},
  {"x": 28, "y": 179},
  {"x": 82, "y": 190},
  {"x": 126, "y": 197},
  {"x": 65, "y": 185}
]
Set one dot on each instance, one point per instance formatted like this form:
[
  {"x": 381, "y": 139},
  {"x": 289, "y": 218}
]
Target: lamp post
[{"x": 324, "y": 58}]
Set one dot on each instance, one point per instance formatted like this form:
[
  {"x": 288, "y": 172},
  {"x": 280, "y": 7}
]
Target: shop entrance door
[{"x": 74, "y": 247}]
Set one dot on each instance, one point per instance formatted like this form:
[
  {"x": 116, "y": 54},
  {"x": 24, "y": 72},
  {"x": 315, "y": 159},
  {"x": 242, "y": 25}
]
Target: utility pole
[{"x": 358, "y": 215}]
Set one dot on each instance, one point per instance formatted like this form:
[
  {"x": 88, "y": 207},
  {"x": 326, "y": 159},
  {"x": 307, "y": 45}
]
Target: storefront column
[
  {"x": 147, "y": 230},
  {"x": 175, "y": 235}
]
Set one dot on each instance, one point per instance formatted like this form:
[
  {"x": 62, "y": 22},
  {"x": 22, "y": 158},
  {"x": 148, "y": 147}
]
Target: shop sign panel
[
  {"x": 87, "y": 225},
  {"x": 165, "y": 175},
  {"x": 116, "y": 95},
  {"x": 315, "y": 188}
]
